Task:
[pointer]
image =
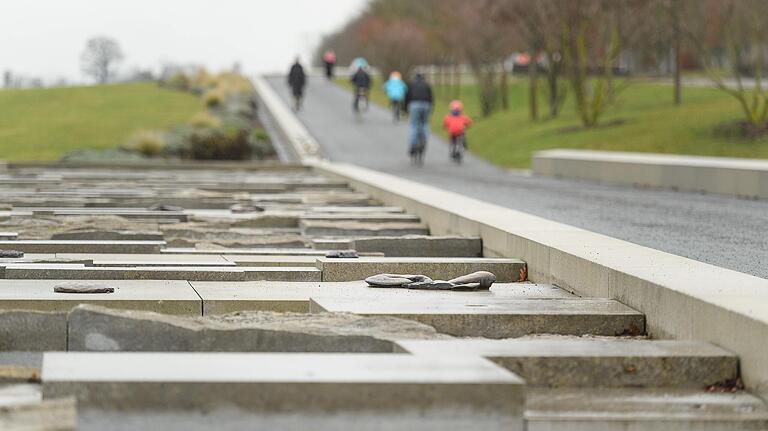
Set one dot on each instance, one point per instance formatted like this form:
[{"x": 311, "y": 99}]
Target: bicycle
[
  {"x": 417, "y": 152},
  {"x": 361, "y": 96},
  {"x": 458, "y": 145}
]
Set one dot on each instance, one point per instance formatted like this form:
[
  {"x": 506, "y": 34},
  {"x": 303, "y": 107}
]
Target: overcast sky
[{"x": 44, "y": 38}]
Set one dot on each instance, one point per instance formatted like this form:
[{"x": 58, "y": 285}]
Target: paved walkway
[{"x": 728, "y": 232}]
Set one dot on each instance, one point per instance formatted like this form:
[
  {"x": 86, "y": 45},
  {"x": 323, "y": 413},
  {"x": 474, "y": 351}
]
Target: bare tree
[
  {"x": 99, "y": 58},
  {"x": 736, "y": 27}
]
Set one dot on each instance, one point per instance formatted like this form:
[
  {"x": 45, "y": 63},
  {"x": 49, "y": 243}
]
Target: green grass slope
[
  {"x": 650, "y": 123},
  {"x": 44, "y": 124}
]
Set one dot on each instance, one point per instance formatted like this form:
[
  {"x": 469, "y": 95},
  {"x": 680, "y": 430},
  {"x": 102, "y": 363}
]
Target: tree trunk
[
  {"x": 676, "y": 42},
  {"x": 533, "y": 78},
  {"x": 504, "y": 88}
]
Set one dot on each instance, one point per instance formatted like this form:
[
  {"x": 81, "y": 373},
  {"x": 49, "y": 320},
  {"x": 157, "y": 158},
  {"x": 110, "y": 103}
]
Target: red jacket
[{"x": 456, "y": 124}]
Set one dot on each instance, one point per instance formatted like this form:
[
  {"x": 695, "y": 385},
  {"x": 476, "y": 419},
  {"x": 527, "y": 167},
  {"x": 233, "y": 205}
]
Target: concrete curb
[
  {"x": 303, "y": 144},
  {"x": 681, "y": 298},
  {"x": 720, "y": 175}
]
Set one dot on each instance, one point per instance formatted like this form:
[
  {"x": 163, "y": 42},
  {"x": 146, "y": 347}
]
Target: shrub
[
  {"x": 261, "y": 145},
  {"x": 205, "y": 119},
  {"x": 201, "y": 81},
  {"x": 148, "y": 143},
  {"x": 178, "y": 81},
  {"x": 220, "y": 144},
  {"x": 214, "y": 98}
]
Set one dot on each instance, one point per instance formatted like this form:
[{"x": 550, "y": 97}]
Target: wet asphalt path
[{"x": 724, "y": 231}]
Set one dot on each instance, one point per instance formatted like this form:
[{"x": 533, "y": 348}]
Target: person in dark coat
[
  {"x": 418, "y": 104},
  {"x": 362, "y": 81},
  {"x": 297, "y": 80}
]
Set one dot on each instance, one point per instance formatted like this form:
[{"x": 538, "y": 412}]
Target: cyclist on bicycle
[
  {"x": 395, "y": 88},
  {"x": 418, "y": 104},
  {"x": 362, "y": 81},
  {"x": 456, "y": 123}
]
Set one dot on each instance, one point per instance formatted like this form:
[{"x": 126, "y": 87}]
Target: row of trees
[{"x": 576, "y": 46}]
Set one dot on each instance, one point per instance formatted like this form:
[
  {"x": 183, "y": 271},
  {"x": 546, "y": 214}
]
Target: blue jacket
[{"x": 395, "y": 89}]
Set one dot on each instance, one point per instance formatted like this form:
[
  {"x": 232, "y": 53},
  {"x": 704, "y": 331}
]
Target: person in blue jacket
[{"x": 396, "y": 89}]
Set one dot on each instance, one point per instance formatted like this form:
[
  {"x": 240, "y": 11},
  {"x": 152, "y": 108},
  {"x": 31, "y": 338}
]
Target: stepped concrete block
[
  {"x": 274, "y": 260},
  {"x": 105, "y": 235},
  {"x": 8, "y": 236},
  {"x": 83, "y": 246},
  {"x": 47, "y": 415},
  {"x": 246, "y": 251},
  {"x": 93, "y": 328},
  {"x": 20, "y": 368},
  {"x": 506, "y": 270},
  {"x": 132, "y": 214},
  {"x": 498, "y": 317},
  {"x": 332, "y": 244},
  {"x": 656, "y": 409},
  {"x": 190, "y": 273},
  {"x": 354, "y": 228},
  {"x": 22, "y": 393},
  {"x": 351, "y": 209},
  {"x": 161, "y": 296},
  {"x": 597, "y": 362},
  {"x": 421, "y": 245},
  {"x": 23, "y": 330},
  {"x": 219, "y": 298},
  {"x": 468, "y": 392},
  {"x": 109, "y": 259},
  {"x": 362, "y": 217}
]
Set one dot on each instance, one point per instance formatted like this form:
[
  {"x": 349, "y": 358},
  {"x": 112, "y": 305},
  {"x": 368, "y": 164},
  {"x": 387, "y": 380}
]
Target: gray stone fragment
[
  {"x": 82, "y": 287},
  {"x": 93, "y": 328},
  {"x": 11, "y": 254},
  {"x": 484, "y": 279},
  {"x": 23, "y": 331},
  {"x": 163, "y": 207},
  {"x": 245, "y": 208},
  {"x": 475, "y": 281},
  {"x": 395, "y": 280},
  {"x": 342, "y": 254}
]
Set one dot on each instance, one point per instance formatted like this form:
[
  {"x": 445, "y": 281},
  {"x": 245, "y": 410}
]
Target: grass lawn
[
  {"x": 651, "y": 123},
  {"x": 43, "y": 124}
]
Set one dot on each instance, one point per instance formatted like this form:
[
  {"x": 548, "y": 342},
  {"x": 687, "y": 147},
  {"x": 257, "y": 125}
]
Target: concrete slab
[
  {"x": 353, "y": 228},
  {"x": 421, "y": 245},
  {"x": 604, "y": 409},
  {"x": 8, "y": 236},
  {"x": 219, "y": 298},
  {"x": 506, "y": 270},
  {"x": 92, "y": 328},
  {"x": 364, "y": 217},
  {"x": 196, "y": 273},
  {"x": 22, "y": 330},
  {"x": 162, "y": 296},
  {"x": 48, "y": 415},
  {"x": 245, "y": 251},
  {"x": 499, "y": 318},
  {"x": 273, "y": 260},
  {"x": 465, "y": 389},
  {"x": 132, "y": 214},
  {"x": 114, "y": 259},
  {"x": 596, "y": 362},
  {"x": 82, "y": 246}
]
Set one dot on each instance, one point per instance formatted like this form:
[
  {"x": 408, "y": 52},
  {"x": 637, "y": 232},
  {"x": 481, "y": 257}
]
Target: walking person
[
  {"x": 362, "y": 81},
  {"x": 329, "y": 59},
  {"x": 396, "y": 88},
  {"x": 297, "y": 80},
  {"x": 418, "y": 103}
]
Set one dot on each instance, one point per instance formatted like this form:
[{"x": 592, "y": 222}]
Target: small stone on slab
[
  {"x": 82, "y": 288},
  {"x": 342, "y": 254},
  {"x": 163, "y": 207}
]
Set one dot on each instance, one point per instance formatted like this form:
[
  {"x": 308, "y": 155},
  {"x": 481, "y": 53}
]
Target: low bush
[
  {"x": 148, "y": 143},
  {"x": 205, "y": 119}
]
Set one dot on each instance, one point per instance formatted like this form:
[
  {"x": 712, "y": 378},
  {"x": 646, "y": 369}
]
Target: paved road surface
[{"x": 724, "y": 231}]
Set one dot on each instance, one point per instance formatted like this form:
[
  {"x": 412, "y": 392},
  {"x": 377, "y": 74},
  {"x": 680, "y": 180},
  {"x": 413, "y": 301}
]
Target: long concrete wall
[
  {"x": 728, "y": 176},
  {"x": 681, "y": 298}
]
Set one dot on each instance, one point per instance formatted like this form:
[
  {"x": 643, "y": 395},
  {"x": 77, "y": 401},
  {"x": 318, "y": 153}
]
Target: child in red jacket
[{"x": 456, "y": 123}]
